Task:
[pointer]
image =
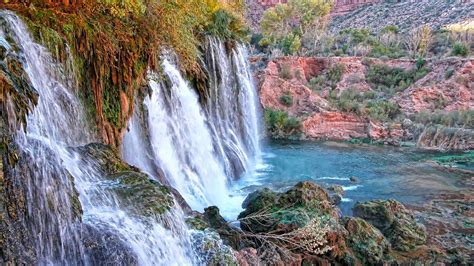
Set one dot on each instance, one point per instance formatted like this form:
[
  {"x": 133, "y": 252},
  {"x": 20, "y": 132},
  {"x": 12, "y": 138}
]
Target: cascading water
[
  {"x": 200, "y": 149},
  {"x": 232, "y": 107},
  {"x": 50, "y": 212},
  {"x": 47, "y": 163},
  {"x": 181, "y": 140}
]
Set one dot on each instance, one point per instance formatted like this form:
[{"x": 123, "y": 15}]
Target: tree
[
  {"x": 418, "y": 41},
  {"x": 306, "y": 19}
]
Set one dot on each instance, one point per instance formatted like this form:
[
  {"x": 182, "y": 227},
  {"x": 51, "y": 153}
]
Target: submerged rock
[{"x": 395, "y": 221}]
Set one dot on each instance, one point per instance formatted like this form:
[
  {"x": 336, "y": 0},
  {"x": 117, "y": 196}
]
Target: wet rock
[
  {"x": 366, "y": 241},
  {"x": 229, "y": 235},
  {"x": 196, "y": 222},
  {"x": 247, "y": 257},
  {"x": 395, "y": 221},
  {"x": 136, "y": 191},
  {"x": 104, "y": 247},
  {"x": 289, "y": 210},
  {"x": 354, "y": 179},
  {"x": 211, "y": 249},
  {"x": 336, "y": 189},
  {"x": 303, "y": 214},
  {"x": 142, "y": 195},
  {"x": 336, "y": 199}
]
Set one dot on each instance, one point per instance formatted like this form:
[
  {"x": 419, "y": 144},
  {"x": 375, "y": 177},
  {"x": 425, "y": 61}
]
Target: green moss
[
  {"x": 197, "y": 224},
  {"x": 142, "y": 195},
  {"x": 466, "y": 159}
]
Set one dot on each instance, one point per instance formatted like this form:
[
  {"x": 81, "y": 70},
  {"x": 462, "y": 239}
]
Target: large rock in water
[
  {"x": 289, "y": 210},
  {"x": 305, "y": 214},
  {"x": 394, "y": 221}
]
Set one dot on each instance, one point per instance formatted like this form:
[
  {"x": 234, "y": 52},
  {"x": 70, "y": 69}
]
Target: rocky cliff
[
  {"x": 405, "y": 14},
  {"x": 353, "y": 105}
]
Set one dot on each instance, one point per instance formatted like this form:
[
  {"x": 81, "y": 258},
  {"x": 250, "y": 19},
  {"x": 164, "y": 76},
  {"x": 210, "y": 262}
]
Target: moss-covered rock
[
  {"x": 303, "y": 214},
  {"x": 136, "y": 191},
  {"x": 211, "y": 249},
  {"x": 140, "y": 194},
  {"x": 266, "y": 210},
  {"x": 367, "y": 242},
  {"x": 395, "y": 221}
]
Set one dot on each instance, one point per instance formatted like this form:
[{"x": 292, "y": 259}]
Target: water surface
[{"x": 382, "y": 172}]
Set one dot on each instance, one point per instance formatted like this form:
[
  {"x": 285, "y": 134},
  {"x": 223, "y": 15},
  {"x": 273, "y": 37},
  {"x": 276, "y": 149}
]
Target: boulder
[
  {"x": 395, "y": 221},
  {"x": 305, "y": 213},
  {"x": 266, "y": 210},
  {"x": 211, "y": 249},
  {"x": 336, "y": 189},
  {"x": 367, "y": 242}
]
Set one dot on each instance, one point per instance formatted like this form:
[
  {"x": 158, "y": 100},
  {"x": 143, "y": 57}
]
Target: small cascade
[
  {"x": 51, "y": 174},
  {"x": 147, "y": 240}
]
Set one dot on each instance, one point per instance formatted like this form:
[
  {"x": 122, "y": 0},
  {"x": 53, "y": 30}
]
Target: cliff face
[{"x": 324, "y": 114}]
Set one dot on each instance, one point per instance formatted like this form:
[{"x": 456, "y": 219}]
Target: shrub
[
  {"x": 391, "y": 80},
  {"x": 460, "y": 49},
  {"x": 449, "y": 119},
  {"x": 286, "y": 100},
  {"x": 280, "y": 124},
  {"x": 285, "y": 72},
  {"x": 381, "y": 110},
  {"x": 317, "y": 83},
  {"x": 420, "y": 62},
  {"x": 334, "y": 73}
]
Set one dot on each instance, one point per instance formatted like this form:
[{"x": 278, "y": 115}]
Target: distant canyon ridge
[
  {"x": 340, "y": 6},
  {"x": 257, "y": 7}
]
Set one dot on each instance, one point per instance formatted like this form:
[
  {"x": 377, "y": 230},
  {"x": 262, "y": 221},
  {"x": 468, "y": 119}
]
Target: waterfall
[
  {"x": 50, "y": 218},
  {"x": 46, "y": 166},
  {"x": 200, "y": 148},
  {"x": 232, "y": 107},
  {"x": 181, "y": 141}
]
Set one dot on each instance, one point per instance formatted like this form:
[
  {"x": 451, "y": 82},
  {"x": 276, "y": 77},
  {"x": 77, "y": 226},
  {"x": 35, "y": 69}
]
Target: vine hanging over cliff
[{"x": 114, "y": 42}]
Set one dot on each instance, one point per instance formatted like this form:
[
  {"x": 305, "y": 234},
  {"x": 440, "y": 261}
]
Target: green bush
[
  {"x": 420, "y": 62},
  {"x": 391, "y": 80},
  {"x": 381, "y": 110},
  {"x": 460, "y": 49},
  {"x": 286, "y": 100},
  {"x": 334, "y": 73},
  {"x": 280, "y": 125},
  {"x": 317, "y": 83}
]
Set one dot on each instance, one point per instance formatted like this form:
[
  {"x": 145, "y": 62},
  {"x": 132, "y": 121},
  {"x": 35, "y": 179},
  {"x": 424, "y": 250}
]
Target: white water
[
  {"x": 52, "y": 127},
  {"x": 181, "y": 141},
  {"x": 232, "y": 108},
  {"x": 201, "y": 150},
  {"x": 49, "y": 217}
]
